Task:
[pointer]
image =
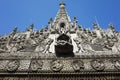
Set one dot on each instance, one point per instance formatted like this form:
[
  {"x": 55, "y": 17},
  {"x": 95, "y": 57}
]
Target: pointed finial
[
  {"x": 30, "y": 28},
  {"x": 62, "y": 4},
  {"x": 75, "y": 19},
  {"x": 50, "y": 20},
  {"x": 15, "y": 29},
  {"x": 111, "y": 26},
  {"x": 95, "y": 26},
  {"x": 75, "y": 22}
]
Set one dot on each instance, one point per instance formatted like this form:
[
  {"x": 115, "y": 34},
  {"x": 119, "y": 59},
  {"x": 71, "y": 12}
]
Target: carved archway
[{"x": 64, "y": 47}]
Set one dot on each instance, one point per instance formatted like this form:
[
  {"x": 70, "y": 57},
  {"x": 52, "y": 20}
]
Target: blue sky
[{"x": 22, "y": 13}]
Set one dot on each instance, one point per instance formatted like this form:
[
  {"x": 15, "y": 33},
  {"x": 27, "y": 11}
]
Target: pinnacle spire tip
[{"x": 62, "y": 4}]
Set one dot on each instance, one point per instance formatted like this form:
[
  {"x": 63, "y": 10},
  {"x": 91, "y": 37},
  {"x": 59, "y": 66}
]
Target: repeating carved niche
[
  {"x": 117, "y": 64},
  {"x": 78, "y": 65},
  {"x": 98, "y": 65},
  {"x": 56, "y": 65},
  {"x": 13, "y": 65},
  {"x": 36, "y": 65}
]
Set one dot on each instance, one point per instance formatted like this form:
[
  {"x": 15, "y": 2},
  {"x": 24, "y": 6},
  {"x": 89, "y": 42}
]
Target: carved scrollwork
[
  {"x": 56, "y": 65},
  {"x": 36, "y": 65},
  {"x": 117, "y": 64},
  {"x": 98, "y": 65},
  {"x": 13, "y": 65},
  {"x": 78, "y": 65}
]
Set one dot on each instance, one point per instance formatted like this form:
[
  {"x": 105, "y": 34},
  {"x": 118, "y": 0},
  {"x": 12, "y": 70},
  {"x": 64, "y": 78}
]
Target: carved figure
[
  {"x": 117, "y": 64},
  {"x": 56, "y": 65},
  {"x": 44, "y": 46},
  {"x": 2, "y": 50},
  {"x": 36, "y": 65},
  {"x": 78, "y": 42},
  {"x": 98, "y": 65},
  {"x": 82, "y": 46},
  {"x": 78, "y": 65},
  {"x": 49, "y": 41},
  {"x": 13, "y": 65}
]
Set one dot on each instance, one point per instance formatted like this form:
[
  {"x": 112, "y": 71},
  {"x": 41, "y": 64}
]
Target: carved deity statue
[{"x": 44, "y": 46}]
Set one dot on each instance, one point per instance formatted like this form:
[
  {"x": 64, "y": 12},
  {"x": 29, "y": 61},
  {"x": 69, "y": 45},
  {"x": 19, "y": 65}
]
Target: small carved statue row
[
  {"x": 39, "y": 43},
  {"x": 57, "y": 65},
  {"x": 108, "y": 42},
  {"x": 12, "y": 42}
]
